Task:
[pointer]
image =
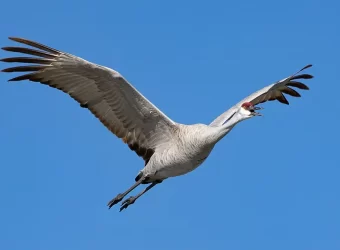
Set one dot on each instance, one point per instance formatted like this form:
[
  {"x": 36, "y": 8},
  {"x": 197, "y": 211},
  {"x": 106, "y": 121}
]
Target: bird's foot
[
  {"x": 115, "y": 200},
  {"x": 127, "y": 203}
]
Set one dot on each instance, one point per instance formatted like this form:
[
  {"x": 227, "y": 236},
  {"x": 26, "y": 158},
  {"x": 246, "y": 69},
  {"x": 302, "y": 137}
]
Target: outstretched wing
[
  {"x": 272, "y": 92},
  {"x": 115, "y": 102}
]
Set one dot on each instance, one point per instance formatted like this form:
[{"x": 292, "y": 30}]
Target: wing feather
[
  {"x": 272, "y": 92},
  {"x": 110, "y": 98}
]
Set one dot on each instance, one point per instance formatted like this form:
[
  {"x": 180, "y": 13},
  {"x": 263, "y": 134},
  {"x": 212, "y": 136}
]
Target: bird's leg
[
  {"x": 132, "y": 199},
  {"x": 119, "y": 197}
]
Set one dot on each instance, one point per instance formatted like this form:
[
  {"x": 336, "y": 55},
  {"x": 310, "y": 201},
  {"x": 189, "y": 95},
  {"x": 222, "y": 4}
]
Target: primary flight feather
[{"x": 168, "y": 148}]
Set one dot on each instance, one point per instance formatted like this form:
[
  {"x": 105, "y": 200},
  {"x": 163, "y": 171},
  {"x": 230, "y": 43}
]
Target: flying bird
[{"x": 168, "y": 148}]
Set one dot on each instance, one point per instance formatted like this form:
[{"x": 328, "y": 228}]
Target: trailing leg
[
  {"x": 119, "y": 197},
  {"x": 132, "y": 199}
]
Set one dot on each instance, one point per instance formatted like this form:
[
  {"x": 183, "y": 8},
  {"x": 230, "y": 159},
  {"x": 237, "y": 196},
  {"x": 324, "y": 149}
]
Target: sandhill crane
[{"x": 168, "y": 148}]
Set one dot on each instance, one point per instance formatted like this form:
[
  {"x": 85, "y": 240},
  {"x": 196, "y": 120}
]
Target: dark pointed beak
[{"x": 254, "y": 113}]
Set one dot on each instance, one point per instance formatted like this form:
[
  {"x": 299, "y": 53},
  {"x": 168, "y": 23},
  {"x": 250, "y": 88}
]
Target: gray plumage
[{"x": 168, "y": 148}]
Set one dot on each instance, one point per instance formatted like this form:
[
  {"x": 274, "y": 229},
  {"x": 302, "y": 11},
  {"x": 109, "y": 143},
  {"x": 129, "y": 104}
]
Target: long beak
[{"x": 257, "y": 113}]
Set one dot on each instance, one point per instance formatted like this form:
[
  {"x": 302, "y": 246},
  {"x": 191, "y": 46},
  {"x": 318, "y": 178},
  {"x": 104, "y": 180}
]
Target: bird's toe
[
  {"x": 127, "y": 203},
  {"x": 115, "y": 200}
]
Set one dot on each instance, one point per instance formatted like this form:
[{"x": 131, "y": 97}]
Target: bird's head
[{"x": 248, "y": 110}]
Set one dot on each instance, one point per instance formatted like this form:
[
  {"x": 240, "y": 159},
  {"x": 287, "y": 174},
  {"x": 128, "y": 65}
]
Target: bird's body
[
  {"x": 189, "y": 148},
  {"x": 168, "y": 148}
]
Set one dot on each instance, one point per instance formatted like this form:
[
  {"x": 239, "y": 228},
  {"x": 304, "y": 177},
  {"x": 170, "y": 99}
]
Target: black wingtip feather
[
  {"x": 299, "y": 85},
  {"x": 29, "y": 51},
  {"x": 27, "y": 60},
  {"x": 302, "y": 76},
  {"x": 84, "y": 105},
  {"x": 306, "y": 67},
  {"x": 24, "y": 68},
  {"x": 281, "y": 98},
  {"x": 34, "y": 44},
  {"x": 29, "y": 76},
  {"x": 290, "y": 91}
]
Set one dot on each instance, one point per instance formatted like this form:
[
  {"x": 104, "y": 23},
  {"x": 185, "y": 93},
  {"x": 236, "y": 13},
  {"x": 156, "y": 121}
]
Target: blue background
[{"x": 272, "y": 183}]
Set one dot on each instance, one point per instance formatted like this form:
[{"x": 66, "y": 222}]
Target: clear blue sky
[{"x": 272, "y": 183}]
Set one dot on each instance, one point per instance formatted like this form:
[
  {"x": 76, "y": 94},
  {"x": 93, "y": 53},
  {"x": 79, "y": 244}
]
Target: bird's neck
[{"x": 229, "y": 125}]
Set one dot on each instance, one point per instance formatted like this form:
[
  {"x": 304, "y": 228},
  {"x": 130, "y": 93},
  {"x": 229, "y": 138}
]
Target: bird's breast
[{"x": 178, "y": 160}]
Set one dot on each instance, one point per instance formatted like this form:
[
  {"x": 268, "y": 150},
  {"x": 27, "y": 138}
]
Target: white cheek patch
[{"x": 245, "y": 112}]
